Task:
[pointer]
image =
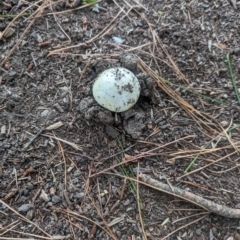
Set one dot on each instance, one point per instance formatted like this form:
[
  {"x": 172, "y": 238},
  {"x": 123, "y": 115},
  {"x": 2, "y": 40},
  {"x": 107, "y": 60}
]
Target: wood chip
[
  {"x": 8, "y": 33},
  {"x": 54, "y": 126},
  {"x": 116, "y": 220}
]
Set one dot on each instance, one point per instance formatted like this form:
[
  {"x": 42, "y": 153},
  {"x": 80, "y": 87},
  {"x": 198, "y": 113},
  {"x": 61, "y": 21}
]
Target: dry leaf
[
  {"x": 126, "y": 157},
  {"x": 28, "y": 171},
  {"x": 221, "y": 46},
  {"x": 54, "y": 126},
  {"x": 44, "y": 196},
  {"x": 12, "y": 192},
  {"x": 9, "y": 32}
]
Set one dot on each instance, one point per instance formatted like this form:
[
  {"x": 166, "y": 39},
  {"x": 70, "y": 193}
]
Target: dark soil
[{"x": 49, "y": 147}]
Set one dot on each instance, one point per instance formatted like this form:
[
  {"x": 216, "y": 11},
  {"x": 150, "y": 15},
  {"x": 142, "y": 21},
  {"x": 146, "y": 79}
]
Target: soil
[{"x": 63, "y": 157}]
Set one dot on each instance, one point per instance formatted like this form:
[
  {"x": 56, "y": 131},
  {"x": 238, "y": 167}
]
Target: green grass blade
[
  {"x": 13, "y": 16},
  {"x": 233, "y": 78},
  {"x": 195, "y": 159},
  {"x": 229, "y": 132}
]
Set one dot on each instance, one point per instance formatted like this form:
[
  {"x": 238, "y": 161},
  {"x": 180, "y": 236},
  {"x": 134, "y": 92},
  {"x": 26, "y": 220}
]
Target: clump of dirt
[{"x": 133, "y": 120}]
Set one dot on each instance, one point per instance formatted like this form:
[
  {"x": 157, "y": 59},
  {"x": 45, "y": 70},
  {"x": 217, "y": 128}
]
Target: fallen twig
[
  {"x": 144, "y": 235},
  {"x": 32, "y": 139},
  {"x": 206, "y": 204},
  {"x": 75, "y": 146}
]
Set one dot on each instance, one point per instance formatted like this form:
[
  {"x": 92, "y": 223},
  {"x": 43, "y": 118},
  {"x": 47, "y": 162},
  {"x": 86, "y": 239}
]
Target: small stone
[
  {"x": 195, "y": 104},
  {"x": 126, "y": 203},
  {"x": 119, "y": 234},
  {"x": 85, "y": 104},
  {"x": 214, "y": 231},
  {"x": 44, "y": 113},
  {"x": 36, "y": 36},
  {"x": 52, "y": 190},
  {"x": 29, "y": 214},
  {"x": 138, "y": 8},
  {"x": 105, "y": 191},
  {"x": 66, "y": 20},
  {"x": 25, "y": 207},
  {"x": 111, "y": 132},
  {"x": 105, "y": 117},
  {"x": 134, "y": 125},
  {"x": 149, "y": 126},
  {"x": 224, "y": 123},
  {"x": 3, "y": 130},
  {"x": 90, "y": 113},
  {"x": 61, "y": 37},
  {"x": 25, "y": 192},
  {"x": 79, "y": 195},
  {"x": 118, "y": 40},
  {"x": 184, "y": 235},
  {"x": 95, "y": 8},
  {"x": 59, "y": 108},
  {"x": 12, "y": 73},
  {"x": 210, "y": 45},
  {"x": 202, "y": 27},
  {"x": 150, "y": 229},
  {"x": 198, "y": 232},
  {"x": 77, "y": 173},
  {"x": 44, "y": 196},
  {"x": 104, "y": 201},
  {"x": 129, "y": 61},
  {"x": 56, "y": 199}
]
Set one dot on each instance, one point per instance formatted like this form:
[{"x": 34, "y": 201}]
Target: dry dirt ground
[{"x": 64, "y": 175}]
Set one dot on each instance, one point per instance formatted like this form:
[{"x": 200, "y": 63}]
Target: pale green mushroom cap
[{"x": 116, "y": 89}]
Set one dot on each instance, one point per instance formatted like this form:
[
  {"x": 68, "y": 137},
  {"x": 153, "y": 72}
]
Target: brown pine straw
[
  {"x": 36, "y": 13},
  {"x": 25, "y": 219},
  {"x": 179, "y": 100},
  {"x": 100, "y": 35},
  {"x": 141, "y": 155},
  {"x": 202, "y": 119},
  {"x": 79, "y": 217},
  {"x": 18, "y": 16},
  {"x": 183, "y": 227}
]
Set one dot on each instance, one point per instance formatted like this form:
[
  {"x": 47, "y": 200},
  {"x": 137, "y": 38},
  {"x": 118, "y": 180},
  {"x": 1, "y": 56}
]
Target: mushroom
[{"x": 116, "y": 89}]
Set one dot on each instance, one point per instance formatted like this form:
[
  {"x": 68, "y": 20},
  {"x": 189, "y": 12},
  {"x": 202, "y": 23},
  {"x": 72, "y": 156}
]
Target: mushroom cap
[{"x": 116, "y": 89}]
